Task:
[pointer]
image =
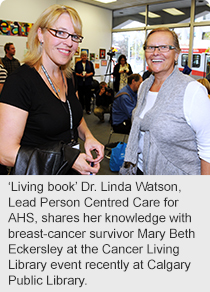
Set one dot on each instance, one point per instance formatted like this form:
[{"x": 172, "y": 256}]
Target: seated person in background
[
  {"x": 205, "y": 83},
  {"x": 124, "y": 103},
  {"x": 104, "y": 99}
]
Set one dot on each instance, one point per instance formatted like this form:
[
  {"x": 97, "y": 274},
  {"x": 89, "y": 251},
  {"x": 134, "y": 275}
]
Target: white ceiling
[
  {"x": 119, "y": 4},
  {"x": 122, "y": 8}
]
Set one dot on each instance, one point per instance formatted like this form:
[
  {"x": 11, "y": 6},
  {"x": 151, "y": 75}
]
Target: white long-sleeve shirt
[{"x": 196, "y": 106}]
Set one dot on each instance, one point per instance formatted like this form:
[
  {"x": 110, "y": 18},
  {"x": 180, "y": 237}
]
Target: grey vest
[{"x": 169, "y": 142}]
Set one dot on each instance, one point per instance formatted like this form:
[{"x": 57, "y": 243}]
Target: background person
[
  {"x": 121, "y": 72},
  {"x": 146, "y": 74},
  {"x": 170, "y": 133},
  {"x": 3, "y": 75},
  {"x": 38, "y": 105},
  {"x": 10, "y": 63},
  {"x": 104, "y": 99},
  {"x": 124, "y": 103},
  {"x": 84, "y": 70}
]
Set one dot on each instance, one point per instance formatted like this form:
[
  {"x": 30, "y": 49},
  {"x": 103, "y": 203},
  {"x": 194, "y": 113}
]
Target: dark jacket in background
[
  {"x": 105, "y": 99},
  {"x": 88, "y": 68},
  {"x": 10, "y": 65}
]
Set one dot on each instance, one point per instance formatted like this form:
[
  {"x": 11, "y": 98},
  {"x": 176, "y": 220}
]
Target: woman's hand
[
  {"x": 82, "y": 165},
  {"x": 92, "y": 144}
]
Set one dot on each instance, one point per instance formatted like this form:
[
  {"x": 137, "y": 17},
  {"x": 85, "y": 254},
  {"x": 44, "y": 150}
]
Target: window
[
  {"x": 175, "y": 15},
  {"x": 129, "y": 17},
  {"x": 169, "y": 12},
  {"x": 202, "y": 11},
  {"x": 131, "y": 45},
  {"x": 196, "y": 61},
  {"x": 184, "y": 59}
]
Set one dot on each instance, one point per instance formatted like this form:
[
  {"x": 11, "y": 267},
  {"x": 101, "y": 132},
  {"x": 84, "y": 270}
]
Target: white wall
[
  {"x": 22, "y": 11},
  {"x": 97, "y": 24}
]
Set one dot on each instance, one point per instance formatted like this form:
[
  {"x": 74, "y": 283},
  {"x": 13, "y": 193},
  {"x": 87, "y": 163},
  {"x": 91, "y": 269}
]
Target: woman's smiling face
[
  {"x": 57, "y": 50},
  {"x": 161, "y": 62}
]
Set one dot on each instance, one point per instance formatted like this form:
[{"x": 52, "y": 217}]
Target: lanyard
[{"x": 68, "y": 103}]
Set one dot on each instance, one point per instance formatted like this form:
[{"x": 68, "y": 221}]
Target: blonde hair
[
  {"x": 47, "y": 19},
  {"x": 206, "y": 83},
  {"x": 83, "y": 53}
]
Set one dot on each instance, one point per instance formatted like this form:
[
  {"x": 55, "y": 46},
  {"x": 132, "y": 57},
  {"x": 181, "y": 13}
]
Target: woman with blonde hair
[{"x": 39, "y": 108}]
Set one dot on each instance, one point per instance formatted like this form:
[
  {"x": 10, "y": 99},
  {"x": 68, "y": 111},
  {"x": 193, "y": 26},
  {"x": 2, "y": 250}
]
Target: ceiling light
[
  {"x": 150, "y": 14},
  {"x": 173, "y": 11},
  {"x": 105, "y": 1}
]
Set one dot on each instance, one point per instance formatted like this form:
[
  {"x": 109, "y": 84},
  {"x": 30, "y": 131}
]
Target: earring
[{"x": 41, "y": 43}]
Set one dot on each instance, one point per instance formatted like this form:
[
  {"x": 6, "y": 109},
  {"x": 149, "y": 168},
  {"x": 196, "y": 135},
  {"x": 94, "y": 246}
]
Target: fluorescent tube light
[
  {"x": 173, "y": 11},
  {"x": 105, "y": 1},
  {"x": 150, "y": 14}
]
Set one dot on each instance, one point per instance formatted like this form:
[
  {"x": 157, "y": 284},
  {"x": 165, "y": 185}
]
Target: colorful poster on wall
[
  {"x": 77, "y": 53},
  {"x": 14, "y": 28},
  {"x": 97, "y": 66},
  {"x": 76, "y": 59},
  {"x": 92, "y": 57},
  {"x": 102, "y": 53},
  {"x": 103, "y": 62}
]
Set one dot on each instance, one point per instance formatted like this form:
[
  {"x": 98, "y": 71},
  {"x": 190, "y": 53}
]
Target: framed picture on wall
[
  {"x": 102, "y": 53},
  {"x": 76, "y": 59},
  {"x": 85, "y": 50},
  {"x": 103, "y": 62},
  {"x": 97, "y": 66},
  {"x": 77, "y": 53},
  {"x": 92, "y": 57}
]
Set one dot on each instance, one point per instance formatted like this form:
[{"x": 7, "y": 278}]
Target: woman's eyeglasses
[
  {"x": 65, "y": 35},
  {"x": 161, "y": 48}
]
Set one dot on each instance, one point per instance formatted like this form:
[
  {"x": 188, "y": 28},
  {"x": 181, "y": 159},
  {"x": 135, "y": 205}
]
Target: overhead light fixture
[
  {"x": 105, "y": 1},
  {"x": 173, "y": 11},
  {"x": 150, "y": 14}
]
